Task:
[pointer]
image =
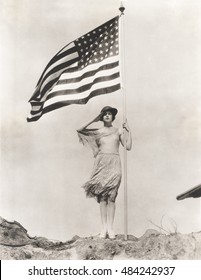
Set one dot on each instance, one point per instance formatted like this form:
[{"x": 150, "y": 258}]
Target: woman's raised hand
[{"x": 98, "y": 118}]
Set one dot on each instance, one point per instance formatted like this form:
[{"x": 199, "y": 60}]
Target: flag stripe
[
  {"x": 36, "y": 97},
  {"x": 82, "y": 94},
  {"x": 70, "y": 80},
  {"x": 56, "y": 70},
  {"x": 47, "y": 90},
  {"x": 83, "y": 88},
  {"x": 58, "y": 62},
  {"x": 83, "y": 100},
  {"x": 36, "y": 108},
  {"x": 70, "y": 48},
  {"x": 77, "y": 96},
  {"x": 78, "y": 101},
  {"x": 87, "y": 80},
  {"x": 67, "y": 47},
  {"x": 104, "y": 63},
  {"x": 53, "y": 79}
]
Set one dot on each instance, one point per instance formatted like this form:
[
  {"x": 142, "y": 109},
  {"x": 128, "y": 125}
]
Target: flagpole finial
[{"x": 122, "y": 8}]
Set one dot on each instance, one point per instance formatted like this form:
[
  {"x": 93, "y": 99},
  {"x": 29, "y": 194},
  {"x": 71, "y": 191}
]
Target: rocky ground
[{"x": 16, "y": 244}]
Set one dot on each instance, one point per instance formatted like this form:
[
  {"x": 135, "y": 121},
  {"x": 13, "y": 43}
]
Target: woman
[{"x": 106, "y": 175}]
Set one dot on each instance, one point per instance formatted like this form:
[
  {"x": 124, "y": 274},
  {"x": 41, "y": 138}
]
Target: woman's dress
[{"x": 106, "y": 175}]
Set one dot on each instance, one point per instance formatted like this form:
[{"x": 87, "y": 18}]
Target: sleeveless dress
[{"x": 106, "y": 175}]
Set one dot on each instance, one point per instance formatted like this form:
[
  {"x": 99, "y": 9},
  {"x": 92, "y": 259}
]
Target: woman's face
[{"x": 107, "y": 117}]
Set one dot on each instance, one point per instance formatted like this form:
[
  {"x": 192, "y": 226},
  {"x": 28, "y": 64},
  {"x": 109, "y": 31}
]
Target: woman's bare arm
[
  {"x": 126, "y": 133},
  {"x": 90, "y": 122}
]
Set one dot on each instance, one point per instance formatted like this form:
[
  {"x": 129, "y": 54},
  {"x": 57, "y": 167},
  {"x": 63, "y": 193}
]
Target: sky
[{"x": 43, "y": 165}]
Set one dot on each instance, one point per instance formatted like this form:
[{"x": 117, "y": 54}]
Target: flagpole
[{"x": 122, "y": 54}]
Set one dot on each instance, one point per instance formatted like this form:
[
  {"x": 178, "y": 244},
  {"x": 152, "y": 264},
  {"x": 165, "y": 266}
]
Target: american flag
[{"x": 85, "y": 68}]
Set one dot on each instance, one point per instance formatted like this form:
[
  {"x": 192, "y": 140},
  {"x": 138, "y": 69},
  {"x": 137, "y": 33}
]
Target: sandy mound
[{"x": 15, "y": 243}]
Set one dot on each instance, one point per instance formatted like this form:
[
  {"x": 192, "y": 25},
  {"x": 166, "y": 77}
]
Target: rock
[
  {"x": 16, "y": 244},
  {"x": 13, "y": 233},
  {"x": 76, "y": 237},
  {"x": 150, "y": 232},
  {"x": 28, "y": 254}
]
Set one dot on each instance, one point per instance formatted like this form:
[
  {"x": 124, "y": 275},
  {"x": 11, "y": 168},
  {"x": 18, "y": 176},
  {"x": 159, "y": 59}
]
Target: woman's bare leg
[
  {"x": 103, "y": 212},
  {"x": 110, "y": 218}
]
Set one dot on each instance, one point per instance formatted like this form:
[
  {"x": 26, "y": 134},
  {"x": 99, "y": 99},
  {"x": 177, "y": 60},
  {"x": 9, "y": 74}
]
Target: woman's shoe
[
  {"x": 103, "y": 234},
  {"x": 111, "y": 234}
]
